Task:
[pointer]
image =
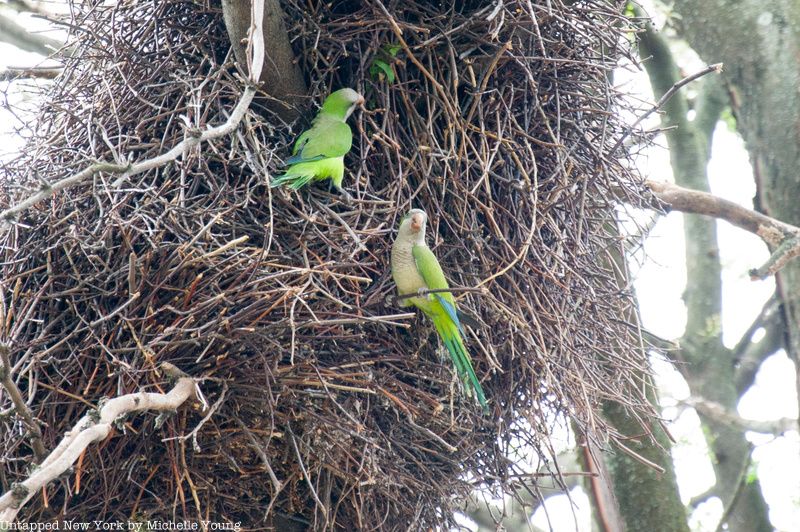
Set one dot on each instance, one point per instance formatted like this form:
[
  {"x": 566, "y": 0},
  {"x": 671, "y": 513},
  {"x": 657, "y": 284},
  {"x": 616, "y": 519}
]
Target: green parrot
[
  {"x": 319, "y": 151},
  {"x": 415, "y": 268}
]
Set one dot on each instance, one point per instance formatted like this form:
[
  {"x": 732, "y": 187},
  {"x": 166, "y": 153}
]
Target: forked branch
[
  {"x": 782, "y": 238},
  {"x": 93, "y": 427}
]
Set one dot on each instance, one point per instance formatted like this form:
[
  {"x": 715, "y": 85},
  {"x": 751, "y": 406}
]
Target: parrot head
[
  {"x": 342, "y": 103},
  {"x": 412, "y": 226}
]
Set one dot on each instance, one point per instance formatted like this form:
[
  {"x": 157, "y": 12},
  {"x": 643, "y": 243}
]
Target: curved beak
[{"x": 416, "y": 223}]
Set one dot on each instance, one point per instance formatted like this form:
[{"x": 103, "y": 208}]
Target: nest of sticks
[{"x": 328, "y": 406}]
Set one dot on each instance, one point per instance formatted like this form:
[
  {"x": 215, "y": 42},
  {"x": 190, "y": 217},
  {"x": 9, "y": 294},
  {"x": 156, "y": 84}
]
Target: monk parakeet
[
  {"x": 415, "y": 268},
  {"x": 319, "y": 151}
]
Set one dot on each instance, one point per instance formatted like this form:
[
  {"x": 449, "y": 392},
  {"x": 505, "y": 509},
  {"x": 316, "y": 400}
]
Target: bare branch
[
  {"x": 714, "y": 410},
  {"x": 455, "y": 290},
  {"x": 16, "y": 73},
  {"x": 697, "y": 500},
  {"x": 749, "y": 355},
  {"x": 717, "y": 68},
  {"x": 784, "y": 238},
  {"x": 93, "y": 427},
  {"x": 17, "y": 35},
  {"x": 19, "y": 403}
]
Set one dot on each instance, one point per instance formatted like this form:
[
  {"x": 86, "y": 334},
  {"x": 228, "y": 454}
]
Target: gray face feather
[
  {"x": 412, "y": 227},
  {"x": 354, "y": 98},
  {"x": 404, "y": 268}
]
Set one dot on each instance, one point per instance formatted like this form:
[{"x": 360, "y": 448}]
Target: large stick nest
[{"x": 330, "y": 408}]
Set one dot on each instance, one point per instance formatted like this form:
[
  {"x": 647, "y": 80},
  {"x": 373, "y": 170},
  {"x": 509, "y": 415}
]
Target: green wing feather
[
  {"x": 327, "y": 138},
  {"x": 442, "y": 310}
]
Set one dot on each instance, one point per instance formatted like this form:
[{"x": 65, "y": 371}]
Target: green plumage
[
  {"x": 415, "y": 267},
  {"x": 319, "y": 151}
]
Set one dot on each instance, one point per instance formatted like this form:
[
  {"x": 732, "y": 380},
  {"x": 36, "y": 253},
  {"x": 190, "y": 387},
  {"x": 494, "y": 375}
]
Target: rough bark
[
  {"x": 281, "y": 78},
  {"x": 709, "y": 366},
  {"x": 647, "y": 498}
]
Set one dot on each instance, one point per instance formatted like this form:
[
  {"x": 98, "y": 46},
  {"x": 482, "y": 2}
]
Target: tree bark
[
  {"x": 281, "y": 78},
  {"x": 648, "y": 499}
]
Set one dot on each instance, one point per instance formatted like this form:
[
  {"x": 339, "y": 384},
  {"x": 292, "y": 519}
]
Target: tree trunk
[
  {"x": 281, "y": 77},
  {"x": 759, "y": 42},
  {"x": 709, "y": 366}
]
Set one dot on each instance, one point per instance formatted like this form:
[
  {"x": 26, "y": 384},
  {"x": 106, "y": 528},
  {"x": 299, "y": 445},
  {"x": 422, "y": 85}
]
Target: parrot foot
[{"x": 345, "y": 195}]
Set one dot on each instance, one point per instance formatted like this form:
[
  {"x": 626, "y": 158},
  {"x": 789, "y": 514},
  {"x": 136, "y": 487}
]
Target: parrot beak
[
  {"x": 416, "y": 223},
  {"x": 360, "y": 101}
]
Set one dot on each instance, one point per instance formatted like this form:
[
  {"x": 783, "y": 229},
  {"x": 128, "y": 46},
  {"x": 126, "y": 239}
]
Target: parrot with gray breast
[{"x": 415, "y": 268}]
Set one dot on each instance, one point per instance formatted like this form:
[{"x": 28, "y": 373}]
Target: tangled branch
[{"x": 93, "y": 427}]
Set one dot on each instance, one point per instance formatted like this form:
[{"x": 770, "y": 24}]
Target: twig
[
  {"x": 19, "y": 403},
  {"x": 257, "y": 447},
  {"x": 94, "y": 426},
  {"x": 193, "y": 136},
  {"x": 18, "y": 73},
  {"x": 387, "y": 319},
  {"x": 359, "y": 245},
  {"x": 306, "y": 476},
  {"x": 782, "y": 237},
  {"x": 425, "y": 291},
  {"x": 639, "y": 458},
  {"x": 717, "y": 67},
  {"x": 211, "y": 411}
]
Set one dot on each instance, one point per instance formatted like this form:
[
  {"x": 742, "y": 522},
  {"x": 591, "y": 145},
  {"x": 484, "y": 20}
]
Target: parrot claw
[{"x": 345, "y": 195}]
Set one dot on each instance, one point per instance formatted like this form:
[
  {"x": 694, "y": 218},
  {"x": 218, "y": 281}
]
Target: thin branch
[
  {"x": 93, "y": 427},
  {"x": 193, "y": 137},
  {"x": 697, "y": 500},
  {"x": 425, "y": 291},
  {"x": 717, "y": 68},
  {"x": 19, "y": 73},
  {"x": 19, "y": 403},
  {"x": 783, "y": 237},
  {"x": 748, "y": 355}
]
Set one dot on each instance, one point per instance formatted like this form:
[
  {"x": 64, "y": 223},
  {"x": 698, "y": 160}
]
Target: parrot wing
[
  {"x": 431, "y": 272},
  {"x": 327, "y": 138},
  {"x": 447, "y": 324}
]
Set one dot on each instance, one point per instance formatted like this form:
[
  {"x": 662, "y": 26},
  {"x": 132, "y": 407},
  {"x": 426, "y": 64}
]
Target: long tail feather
[{"x": 458, "y": 352}]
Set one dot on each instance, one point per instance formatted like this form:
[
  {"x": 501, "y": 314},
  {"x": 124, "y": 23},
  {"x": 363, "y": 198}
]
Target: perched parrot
[
  {"x": 319, "y": 151},
  {"x": 414, "y": 268}
]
